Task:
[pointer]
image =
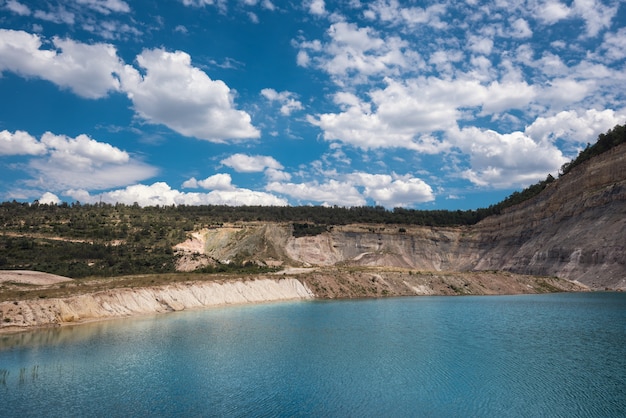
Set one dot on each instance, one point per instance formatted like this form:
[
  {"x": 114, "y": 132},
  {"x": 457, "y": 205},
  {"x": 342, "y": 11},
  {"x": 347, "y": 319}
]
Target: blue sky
[{"x": 418, "y": 104}]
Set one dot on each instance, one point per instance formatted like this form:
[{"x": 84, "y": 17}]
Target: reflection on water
[
  {"x": 555, "y": 355},
  {"x": 69, "y": 334}
]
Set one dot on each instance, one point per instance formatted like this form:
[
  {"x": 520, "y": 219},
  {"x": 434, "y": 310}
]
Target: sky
[{"x": 415, "y": 104}]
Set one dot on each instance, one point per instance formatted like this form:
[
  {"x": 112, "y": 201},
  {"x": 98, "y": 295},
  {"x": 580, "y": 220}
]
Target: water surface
[{"x": 533, "y": 355}]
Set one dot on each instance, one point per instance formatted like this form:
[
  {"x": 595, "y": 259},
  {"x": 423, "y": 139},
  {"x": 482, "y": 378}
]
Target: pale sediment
[
  {"x": 125, "y": 302},
  {"x": 330, "y": 283}
]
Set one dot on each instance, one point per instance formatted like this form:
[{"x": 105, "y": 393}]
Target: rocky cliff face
[{"x": 575, "y": 229}]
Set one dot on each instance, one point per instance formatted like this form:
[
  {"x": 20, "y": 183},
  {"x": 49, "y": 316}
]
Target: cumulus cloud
[
  {"x": 393, "y": 191},
  {"x": 176, "y": 94},
  {"x": 576, "y": 127},
  {"x": 399, "y": 113},
  {"x": 87, "y": 70},
  {"x": 60, "y": 162},
  {"x": 284, "y": 98},
  {"x": 614, "y": 46},
  {"x": 330, "y": 193},
  {"x": 49, "y": 199},
  {"x": 520, "y": 29},
  {"x": 594, "y": 13},
  {"x": 356, "y": 188},
  {"x": 317, "y": 7},
  {"x": 218, "y": 181},
  {"x": 243, "y": 163},
  {"x": 392, "y": 12},
  {"x": 20, "y": 143},
  {"x": 505, "y": 160},
  {"x": 82, "y": 152},
  {"x": 172, "y": 92},
  {"x": 161, "y": 193},
  {"x": 551, "y": 12},
  {"x": 357, "y": 53},
  {"x": 597, "y": 16}
]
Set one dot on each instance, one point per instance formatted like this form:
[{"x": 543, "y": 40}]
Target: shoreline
[{"x": 83, "y": 306}]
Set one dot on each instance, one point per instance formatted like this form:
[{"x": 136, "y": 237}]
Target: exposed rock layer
[{"x": 575, "y": 229}]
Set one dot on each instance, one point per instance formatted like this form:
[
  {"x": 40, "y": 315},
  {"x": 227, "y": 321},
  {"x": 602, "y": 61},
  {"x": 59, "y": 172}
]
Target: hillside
[
  {"x": 567, "y": 237},
  {"x": 572, "y": 227}
]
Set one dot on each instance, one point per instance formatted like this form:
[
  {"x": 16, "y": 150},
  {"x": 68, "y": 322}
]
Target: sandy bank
[
  {"x": 87, "y": 301},
  {"x": 119, "y": 303}
]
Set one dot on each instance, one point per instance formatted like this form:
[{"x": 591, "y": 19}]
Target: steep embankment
[
  {"x": 116, "y": 303},
  {"x": 575, "y": 229}
]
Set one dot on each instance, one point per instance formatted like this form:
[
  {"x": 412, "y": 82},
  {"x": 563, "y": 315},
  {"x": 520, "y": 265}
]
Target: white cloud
[
  {"x": 161, "y": 193},
  {"x": 503, "y": 96},
  {"x": 174, "y": 93},
  {"x": 110, "y": 29},
  {"x": 392, "y": 192},
  {"x": 20, "y": 143},
  {"x": 400, "y": 114},
  {"x": 273, "y": 174},
  {"x": 331, "y": 193},
  {"x": 559, "y": 93},
  {"x": 60, "y": 15},
  {"x": 82, "y": 152},
  {"x": 303, "y": 59},
  {"x": 577, "y": 127},
  {"x": 18, "y": 8},
  {"x": 61, "y": 162},
  {"x": 218, "y": 181},
  {"x": 614, "y": 46},
  {"x": 317, "y": 7},
  {"x": 355, "y": 53},
  {"x": 520, "y": 29},
  {"x": 243, "y": 163},
  {"x": 551, "y": 12},
  {"x": 480, "y": 45},
  {"x": 390, "y": 11},
  {"x": 220, "y": 4},
  {"x": 49, "y": 199},
  {"x": 505, "y": 160},
  {"x": 355, "y": 188},
  {"x": 597, "y": 16},
  {"x": 106, "y": 6},
  {"x": 87, "y": 70},
  {"x": 284, "y": 98},
  {"x": 267, "y": 4}
]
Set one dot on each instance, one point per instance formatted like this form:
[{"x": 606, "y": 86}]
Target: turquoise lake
[{"x": 559, "y": 355}]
